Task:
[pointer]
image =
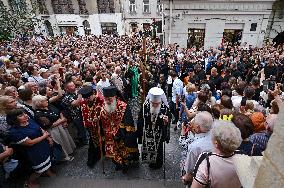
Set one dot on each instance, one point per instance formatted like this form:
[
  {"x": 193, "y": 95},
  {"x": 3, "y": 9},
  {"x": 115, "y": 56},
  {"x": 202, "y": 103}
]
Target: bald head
[{"x": 117, "y": 70}]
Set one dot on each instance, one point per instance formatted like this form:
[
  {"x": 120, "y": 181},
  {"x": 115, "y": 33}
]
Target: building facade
[
  {"x": 139, "y": 15},
  {"x": 186, "y": 22},
  {"x": 275, "y": 29},
  {"x": 76, "y": 16},
  {"x": 208, "y": 23}
]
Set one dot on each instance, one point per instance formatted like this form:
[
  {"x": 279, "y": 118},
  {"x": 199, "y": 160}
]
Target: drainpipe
[
  {"x": 171, "y": 15},
  {"x": 163, "y": 21}
]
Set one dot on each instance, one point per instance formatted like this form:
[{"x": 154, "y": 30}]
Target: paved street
[
  {"x": 77, "y": 172},
  {"x": 78, "y": 168}
]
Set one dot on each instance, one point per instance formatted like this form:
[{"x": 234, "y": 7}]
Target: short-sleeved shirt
[
  {"x": 177, "y": 89},
  {"x": 39, "y": 153},
  {"x": 202, "y": 143},
  {"x": 222, "y": 172},
  {"x": 260, "y": 139},
  {"x": 72, "y": 111}
]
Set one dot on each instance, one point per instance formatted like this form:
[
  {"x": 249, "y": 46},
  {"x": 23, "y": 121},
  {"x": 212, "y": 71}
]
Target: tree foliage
[{"x": 19, "y": 20}]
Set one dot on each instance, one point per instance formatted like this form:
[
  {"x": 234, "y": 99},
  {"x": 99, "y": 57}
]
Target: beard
[
  {"x": 110, "y": 108},
  {"x": 155, "y": 110}
]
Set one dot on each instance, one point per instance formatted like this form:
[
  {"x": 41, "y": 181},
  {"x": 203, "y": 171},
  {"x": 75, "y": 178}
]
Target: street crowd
[{"x": 223, "y": 102}]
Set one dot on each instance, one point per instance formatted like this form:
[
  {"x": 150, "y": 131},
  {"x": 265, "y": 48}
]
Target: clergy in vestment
[{"x": 153, "y": 127}]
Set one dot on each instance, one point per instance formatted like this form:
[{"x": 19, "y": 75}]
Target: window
[
  {"x": 18, "y": 6},
  {"x": 132, "y": 6},
  {"x": 195, "y": 37},
  {"x": 159, "y": 6},
  {"x": 232, "y": 35},
  {"x": 82, "y": 7},
  {"x": 253, "y": 27},
  {"x": 159, "y": 26},
  {"x": 42, "y": 7},
  {"x": 48, "y": 28},
  {"x": 134, "y": 27},
  {"x": 62, "y": 6},
  {"x": 105, "y": 6},
  {"x": 87, "y": 27},
  {"x": 146, "y": 26},
  {"x": 146, "y": 6},
  {"x": 109, "y": 28}
]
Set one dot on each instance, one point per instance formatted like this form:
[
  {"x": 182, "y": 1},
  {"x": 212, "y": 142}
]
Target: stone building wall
[{"x": 214, "y": 17}]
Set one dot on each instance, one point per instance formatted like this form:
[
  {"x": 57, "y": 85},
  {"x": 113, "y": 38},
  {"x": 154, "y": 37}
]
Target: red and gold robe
[
  {"x": 118, "y": 128},
  {"x": 90, "y": 121}
]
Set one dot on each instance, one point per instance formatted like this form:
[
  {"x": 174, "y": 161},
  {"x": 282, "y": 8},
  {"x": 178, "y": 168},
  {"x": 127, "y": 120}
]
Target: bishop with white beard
[
  {"x": 153, "y": 127},
  {"x": 119, "y": 130}
]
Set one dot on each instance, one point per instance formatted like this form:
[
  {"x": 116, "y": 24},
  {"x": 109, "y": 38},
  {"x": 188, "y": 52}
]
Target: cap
[
  {"x": 86, "y": 91},
  {"x": 110, "y": 91},
  {"x": 156, "y": 94}
]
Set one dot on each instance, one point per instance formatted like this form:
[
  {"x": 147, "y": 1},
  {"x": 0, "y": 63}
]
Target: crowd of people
[{"x": 224, "y": 102}]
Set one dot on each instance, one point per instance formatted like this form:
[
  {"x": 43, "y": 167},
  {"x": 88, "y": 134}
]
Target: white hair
[
  {"x": 228, "y": 137},
  {"x": 204, "y": 119},
  {"x": 37, "y": 99}
]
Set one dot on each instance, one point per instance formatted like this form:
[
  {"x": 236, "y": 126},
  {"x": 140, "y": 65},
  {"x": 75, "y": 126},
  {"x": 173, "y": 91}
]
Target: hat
[
  {"x": 86, "y": 91},
  {"x": 156, "y": 94},
  {"x": 110, "y": 91}
]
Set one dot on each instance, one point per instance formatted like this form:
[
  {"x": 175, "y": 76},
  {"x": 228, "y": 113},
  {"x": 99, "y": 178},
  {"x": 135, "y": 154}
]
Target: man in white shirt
[
  {"x": 104, "y": 82},
  {"x": 176, "y": 95},
  {"x": 200, "y": 126},
  {"x": 240, "y": 87},
  {"x": 116, "y": 79}
]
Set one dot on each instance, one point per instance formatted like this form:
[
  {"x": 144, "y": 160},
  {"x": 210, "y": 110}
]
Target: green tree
[{"x": 18, "y": 20}]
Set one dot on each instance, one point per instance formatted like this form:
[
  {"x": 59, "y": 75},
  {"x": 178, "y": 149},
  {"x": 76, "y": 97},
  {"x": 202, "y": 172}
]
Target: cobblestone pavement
[{"x": 78, "y": 167}]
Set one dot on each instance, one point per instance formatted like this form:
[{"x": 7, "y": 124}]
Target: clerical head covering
[
  {"x": 156, "y": 94},
  {"x": 86, "y": 91},
  {"x": 109, "y": 91}
]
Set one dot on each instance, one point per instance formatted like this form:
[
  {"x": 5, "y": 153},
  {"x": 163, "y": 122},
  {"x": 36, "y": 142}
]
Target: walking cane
[
  {"x": 164, "y": 153},
  {"x": 164, "y": 162}
]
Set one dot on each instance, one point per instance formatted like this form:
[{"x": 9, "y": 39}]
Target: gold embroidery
[
  {"x": 130, "y": 129},
  {"x": 132, "y": 150}
]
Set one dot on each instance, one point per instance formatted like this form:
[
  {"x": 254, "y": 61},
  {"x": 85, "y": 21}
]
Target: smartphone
[{"x": 182, "y": 99}]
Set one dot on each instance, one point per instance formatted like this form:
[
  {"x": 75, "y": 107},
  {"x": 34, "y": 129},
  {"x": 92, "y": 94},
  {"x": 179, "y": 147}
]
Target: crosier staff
[{"x": 142, "y": 66}]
